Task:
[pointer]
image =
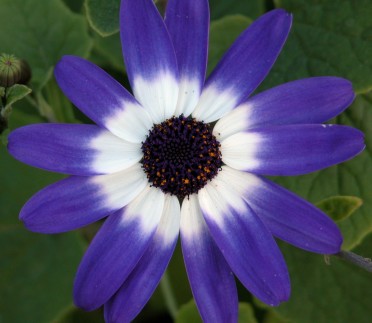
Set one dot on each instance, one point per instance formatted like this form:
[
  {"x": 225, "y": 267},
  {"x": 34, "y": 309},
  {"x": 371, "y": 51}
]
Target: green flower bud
[{"x": 13, "y": 71}]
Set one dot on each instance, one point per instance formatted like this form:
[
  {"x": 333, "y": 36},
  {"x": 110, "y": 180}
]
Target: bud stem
[{"x": 355, "y": 259}]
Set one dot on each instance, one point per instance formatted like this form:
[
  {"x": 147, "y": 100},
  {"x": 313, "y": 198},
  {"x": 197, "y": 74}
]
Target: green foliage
[
  {"x": 76, "y": 315},
  {"x": 327, "y": 38},
  {"x": 15, "y": 93},
  {"x": 36, "y": 271},
  {"x": 189, "y": 313},
  {"x": 41, "y": 32},
  {"x": 273, "y": 317},
  {"x": 221, "y": 8},
  {"x": 222, "y": 34},
  {"x": 74, "y": 5},
  {"x": 7, "y": 98},
  {"x": 103, "y": 16},
  {"x": 321, "y": 293},
  {"x": 109, "y": 49},
  {"x": 246, "y": 313},
  {"x": 340, "y": 207}
]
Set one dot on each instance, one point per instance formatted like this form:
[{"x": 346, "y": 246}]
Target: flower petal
[
  {"x": 312, "y": 100},
  {"x": 72, "y": 149},
  {"x": 102, "y": 98},
  {"x": 132, "y": 296},
  {"x": 211, "y": 279},
  {"x": 286, "y": 215},
  {"x": 188, "y": 24},
  {"x": 291, "y": 150},
  {"x": 116, "y": 249},
  {"x": 150, "y": 59},
  {"x": 77, "y": 201},
  {"x": 245, "y": 242},
  {"x": 244, "y": 66}
]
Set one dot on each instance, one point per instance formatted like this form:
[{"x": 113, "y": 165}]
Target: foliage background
[{"x": 328, "y": 38}]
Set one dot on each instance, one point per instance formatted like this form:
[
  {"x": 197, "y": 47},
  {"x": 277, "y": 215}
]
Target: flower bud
[{"x": 13, "y": 70}]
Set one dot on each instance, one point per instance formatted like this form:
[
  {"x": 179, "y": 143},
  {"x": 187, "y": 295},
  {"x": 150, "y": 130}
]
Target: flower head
[{"x": 154, "y": 166}]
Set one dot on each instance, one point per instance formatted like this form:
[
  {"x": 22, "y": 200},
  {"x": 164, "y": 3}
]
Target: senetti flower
[{"x": 155, "y": 166}]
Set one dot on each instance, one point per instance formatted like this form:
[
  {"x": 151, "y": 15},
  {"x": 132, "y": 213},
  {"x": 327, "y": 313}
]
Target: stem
[
  {"x": 170, "y": 299},
  {"x": 44, "y": 108},
  {"x": 355, "y": 259},
  {"x": 61, "y": 106}
]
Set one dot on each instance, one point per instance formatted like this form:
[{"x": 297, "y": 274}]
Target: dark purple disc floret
[{"x": 180, "y": 155}]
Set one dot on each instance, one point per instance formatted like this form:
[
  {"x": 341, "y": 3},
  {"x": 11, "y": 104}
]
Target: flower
[{"x": 151, "y": 151}]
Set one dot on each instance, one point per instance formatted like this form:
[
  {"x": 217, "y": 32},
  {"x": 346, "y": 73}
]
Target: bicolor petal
[
  {"x": 245, "y": 242},
  {"x": 150, "y": 59},
  {"x": 307, "y": 101},
  {"x": 77, "y": 201},
  {"x": 211, "y": 279},
  {"x": 286, "y": 215},
  {"x": 72, "y": 149},
  {"x": 244, "y": 66},
  {"x": 188, "y": 25},
  {"x": 102, "y": 98},
  {"x": 146, "y": 153},
  {"x": 116, "y": 249},
  {"x": 132, "y": 296},
  {"x": 291, "y": 150}
]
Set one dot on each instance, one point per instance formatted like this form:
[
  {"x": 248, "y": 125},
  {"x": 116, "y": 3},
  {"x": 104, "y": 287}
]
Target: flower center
[{"x": 180, "y": 155}]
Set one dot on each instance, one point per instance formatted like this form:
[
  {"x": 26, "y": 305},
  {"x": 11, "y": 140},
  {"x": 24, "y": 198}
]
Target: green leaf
[
  {"x": 41, "y": 32},
  {"x": 36, "y": 271},
  {"x": 340, "y": 207},
  {"x": 327, "y": 38},
  {"x": 76, "y": 315},
  {"x": 321, "y": 293},
  {"x": 273, "y": 317},
  {"x": 74, "y": 5},
  {"x": 189, "y": 313},
  {"x": 110, "y": 49},
  {"x": 2, "y": 91},
  {"x": 103, "y": 16},
  {"x": 15, "y": 93},
  {"x": 246, "y": 313},
  {"x": 252, "y": 8},
  {"x": 223, "y": 32}
]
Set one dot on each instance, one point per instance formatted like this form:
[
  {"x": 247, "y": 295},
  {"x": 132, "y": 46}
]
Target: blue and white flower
[{"x": 154, "y": 166}]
